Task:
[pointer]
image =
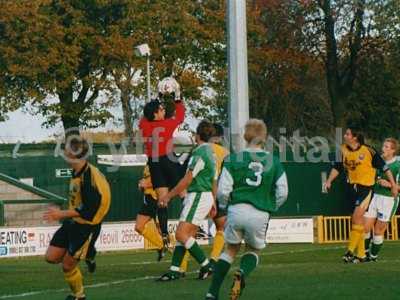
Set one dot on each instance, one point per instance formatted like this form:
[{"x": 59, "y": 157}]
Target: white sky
[{"x": 26, "y": 128}]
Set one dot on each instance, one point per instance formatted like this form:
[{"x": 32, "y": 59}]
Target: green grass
[{"x": 285, "y": 272}]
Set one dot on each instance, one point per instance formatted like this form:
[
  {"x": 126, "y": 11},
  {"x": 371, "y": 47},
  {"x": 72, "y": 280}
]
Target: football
[{"x": 168, "y": 86}]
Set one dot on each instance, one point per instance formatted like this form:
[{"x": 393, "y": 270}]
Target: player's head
[
  {"x": 76, "y": 149},
  {"x": 219, "y": 134},
  {"x": 390, "y": 148},
  {"x": 353, "y": 136},
  {"x": 255, "y": 133},
  {"x": 154, "y": 111},
  {"x": 205, "y": 131}
]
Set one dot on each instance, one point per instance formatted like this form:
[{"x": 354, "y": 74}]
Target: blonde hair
[
  {"x": 394, "y": 142},
  {"x": 255, "y": 132}
]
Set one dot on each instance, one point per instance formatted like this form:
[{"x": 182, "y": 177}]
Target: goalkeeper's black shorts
[{"x": 164, "y": 172}]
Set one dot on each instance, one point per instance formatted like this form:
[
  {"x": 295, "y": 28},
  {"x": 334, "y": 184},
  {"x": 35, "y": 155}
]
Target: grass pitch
[{"x": 285, "y": 272}]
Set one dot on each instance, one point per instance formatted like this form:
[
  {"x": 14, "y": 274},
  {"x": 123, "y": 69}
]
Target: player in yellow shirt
[
  {"x": 149, "y": 212},
  {"x": 360, "y": 163},
  {"x": 220, "y": 152},
  {"x": 89, "y": 202}
]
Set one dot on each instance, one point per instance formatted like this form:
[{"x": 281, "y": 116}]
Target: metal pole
[
  {"x": 238, "y": 72},
  {"x": 148, "y": 79}
]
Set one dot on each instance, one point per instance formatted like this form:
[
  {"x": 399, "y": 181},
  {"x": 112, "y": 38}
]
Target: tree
[{"x": 55, "y": 50}]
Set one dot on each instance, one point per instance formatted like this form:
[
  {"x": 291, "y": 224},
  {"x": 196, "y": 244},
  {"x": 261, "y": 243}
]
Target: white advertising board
[{"x": 30, "y": 241}]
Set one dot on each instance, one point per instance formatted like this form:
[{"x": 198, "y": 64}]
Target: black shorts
[
  {"x": 164, "y": 172},
  {"x": 149, "y": 207},
  {"x": 360, "y": 195},
  {"x": 74, "y": 237}
]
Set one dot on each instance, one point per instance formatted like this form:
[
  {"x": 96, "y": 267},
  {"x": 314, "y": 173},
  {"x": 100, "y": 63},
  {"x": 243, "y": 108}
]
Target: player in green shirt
[
  {"x": 254, "y": 185},
  {"x": 200, "y": 183},
  {"x": 383, "y": 206}
]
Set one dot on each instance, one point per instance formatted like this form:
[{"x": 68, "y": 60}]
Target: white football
[{"x": 168, "y": 85}]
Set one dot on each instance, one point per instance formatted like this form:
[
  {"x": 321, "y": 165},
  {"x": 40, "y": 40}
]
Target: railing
[{"x": 337, "y": 229}]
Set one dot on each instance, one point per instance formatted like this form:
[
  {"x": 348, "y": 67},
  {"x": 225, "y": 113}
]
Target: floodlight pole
[
  {"x": 238, "y": 72},
  {"x": 148, "y": 79}
]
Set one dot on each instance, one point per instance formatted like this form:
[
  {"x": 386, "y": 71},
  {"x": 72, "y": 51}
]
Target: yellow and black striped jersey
[
  {"x": 147, "y": 176},
  {"x": 89, "y": 195},
  {"x": 220, "y": 153},
  {"x": 360, "y": 164}
]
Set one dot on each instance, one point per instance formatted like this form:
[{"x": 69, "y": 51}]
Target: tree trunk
[
  {"x": 127, "y": 114},
  {"x": 70, "y": 112},
  {"x": 340, "y": 83}
]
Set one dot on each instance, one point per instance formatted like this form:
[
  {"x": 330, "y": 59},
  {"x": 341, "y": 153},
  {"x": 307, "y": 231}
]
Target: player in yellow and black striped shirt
[
  {"x": 150, "y": 211},
  {"x": 89, "y": 202},
  {"x": 359, "y": 162}
]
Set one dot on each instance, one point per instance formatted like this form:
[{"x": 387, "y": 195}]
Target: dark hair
[
  {"x": 219, "y": 130},
  {"x": 356, "y": 132},
  {"x": 205, "y": 130},
  {"x": 150, "y": 109},
  {"x": 78, "y": 146}
]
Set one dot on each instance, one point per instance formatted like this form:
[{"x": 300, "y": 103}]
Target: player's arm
[
  {"x": 178, "y": 189},
  {"x": 337, "y": 168},
  {"x": 179, "y": 117},
  {"x": 225, "y": 187},
  {"x": 380, "y": 164},
  {"x": 55, "y": 214},
  {"x": 281, "y": 185}
]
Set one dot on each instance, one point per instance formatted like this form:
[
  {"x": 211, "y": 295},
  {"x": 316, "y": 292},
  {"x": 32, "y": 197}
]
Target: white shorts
[
  {"x": 382, "y": 208},
  {"x": 245, "y": 222},
  {"x": 196, "y": 207}
]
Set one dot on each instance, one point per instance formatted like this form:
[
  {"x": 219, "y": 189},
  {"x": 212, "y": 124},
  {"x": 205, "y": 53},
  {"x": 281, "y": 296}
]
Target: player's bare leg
[
  {"x": 150, "y": 232},
  {"x": 55, "y": 255}
]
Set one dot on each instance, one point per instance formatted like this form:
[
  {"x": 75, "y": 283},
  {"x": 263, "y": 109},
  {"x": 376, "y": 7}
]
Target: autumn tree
[{"x": 52, "y": 57}]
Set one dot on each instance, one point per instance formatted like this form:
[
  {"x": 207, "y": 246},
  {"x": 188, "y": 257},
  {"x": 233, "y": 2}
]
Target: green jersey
[
  {"x": 202, "y": 164},
  {"x": 394, "y": 167},
  {"x": 253, "y": 176}
]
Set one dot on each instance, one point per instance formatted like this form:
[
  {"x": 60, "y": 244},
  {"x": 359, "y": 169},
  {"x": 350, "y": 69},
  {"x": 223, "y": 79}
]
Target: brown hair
[
  {"x": 205, "y": 130},
  {"x": 78, "y": 146},
  {"x": 395, "y": 144},
  {"x": 255, "y": 132}
]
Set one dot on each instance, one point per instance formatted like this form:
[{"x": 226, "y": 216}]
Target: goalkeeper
[{"x": 157, "y": 131}]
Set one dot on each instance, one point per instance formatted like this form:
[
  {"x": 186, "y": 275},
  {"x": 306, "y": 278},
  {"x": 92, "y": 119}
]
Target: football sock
[
  {"x": 185, "y": 261},
  {"x": 248, "y": 263},
  {"x": 75, "y": 281},
  {"x": 367, "y": 241},
  {"x": 220, "y": 270},
  {"x": 196, "y": 251},
  {"x": 151, "y": 234},
  {"x": 357, "y": 232},
  {"x": 361, "y": 247},
  {"x": 218, "y": 245},
  {"x": 162, "y": 214},
  {"x": 177, "y": 256},
  {"x": 376, "y": 245}
]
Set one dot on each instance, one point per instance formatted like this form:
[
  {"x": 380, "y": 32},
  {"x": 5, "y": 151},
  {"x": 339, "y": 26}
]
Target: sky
[{"x": 25, "y": 128}]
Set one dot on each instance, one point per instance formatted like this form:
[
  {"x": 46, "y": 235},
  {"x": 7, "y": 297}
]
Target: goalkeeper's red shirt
[{"x": 158, "y": 134}]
